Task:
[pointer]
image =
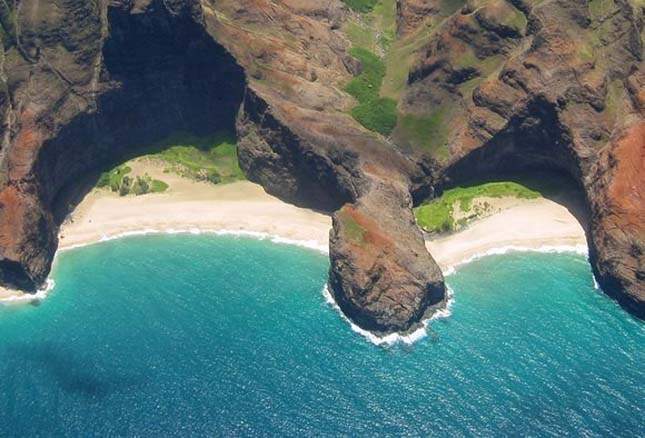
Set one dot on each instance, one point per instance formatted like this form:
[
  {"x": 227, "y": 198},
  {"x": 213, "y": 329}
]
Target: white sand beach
[
  {"x": 245, "y": 207},
  {"x": 236, "y": 207},
  {"x": 527, "y": 224}
]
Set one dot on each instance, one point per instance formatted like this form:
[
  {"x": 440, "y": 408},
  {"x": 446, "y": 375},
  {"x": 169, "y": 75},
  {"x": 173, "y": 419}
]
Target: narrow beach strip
[{"x": 244, "y": 209}]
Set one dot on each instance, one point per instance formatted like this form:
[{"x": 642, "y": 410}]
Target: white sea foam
[
  {"x": 21, "y": 297},
  {"x": 107, "y": 238},
  {"x": 576, "y": 249},
  {"x": 75, "y": 246},
  {"x": 393, "y": 338},
  {"x": 560, "y": 249},
  {"x": 310, "y": 244},
  {"x": 422, "y": 332},
  {"x": 388, "y": 340}
]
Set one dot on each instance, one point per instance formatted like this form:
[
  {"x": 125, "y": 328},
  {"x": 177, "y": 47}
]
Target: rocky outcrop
[
  {"x": 513, "y": 84},
  {"x": 561, "y": 93},
  {"x": 381, "y": 274},
  {"x": 618, "y": 221},
  {"x": 86, "y": 85}
]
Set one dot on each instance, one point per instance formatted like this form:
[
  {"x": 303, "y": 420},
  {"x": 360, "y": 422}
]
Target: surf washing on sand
[
  {"x": 238, "y": 334},
  {"x": 407, "y": 338}
]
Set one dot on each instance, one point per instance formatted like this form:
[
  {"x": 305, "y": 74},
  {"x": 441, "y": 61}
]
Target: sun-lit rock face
[{"x": 482, "y": 87}]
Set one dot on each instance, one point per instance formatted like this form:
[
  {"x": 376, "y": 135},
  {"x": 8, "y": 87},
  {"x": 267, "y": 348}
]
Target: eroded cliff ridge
[{"x": 469, "y": 89}]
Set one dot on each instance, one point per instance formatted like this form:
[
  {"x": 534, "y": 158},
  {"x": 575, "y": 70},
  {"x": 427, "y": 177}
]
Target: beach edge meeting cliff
[{"x": 333, "y": 118}]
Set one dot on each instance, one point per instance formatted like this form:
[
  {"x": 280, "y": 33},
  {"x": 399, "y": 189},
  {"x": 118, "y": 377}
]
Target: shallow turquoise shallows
[{"x": 188, "y": 335}]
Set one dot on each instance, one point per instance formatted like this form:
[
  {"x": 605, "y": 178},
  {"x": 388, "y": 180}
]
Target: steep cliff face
[
  {"x": 297, "y": 139},
  {"x": 618, "y": 222},
  {"x": 494, "y": 85},
  {"x": 548, "y": 85},
  {"x": 86, "y": 85}
]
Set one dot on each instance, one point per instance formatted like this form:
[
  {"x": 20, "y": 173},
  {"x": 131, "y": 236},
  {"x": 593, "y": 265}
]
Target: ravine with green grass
[{"x": 376, "y": 113}]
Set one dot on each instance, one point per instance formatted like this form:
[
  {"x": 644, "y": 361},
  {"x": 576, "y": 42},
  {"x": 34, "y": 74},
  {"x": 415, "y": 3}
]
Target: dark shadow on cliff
[
  {"x": 554, "y": 185},
  {"x": 533, "y": 150},
  {"x": 165, "y": 74}
]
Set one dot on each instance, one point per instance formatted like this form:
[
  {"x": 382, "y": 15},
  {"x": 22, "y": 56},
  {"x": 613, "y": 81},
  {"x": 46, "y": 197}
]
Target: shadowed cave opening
[
  {"x": 161, "y": 73},
  {"x": 167, "y": 75},
  {"x": 535, "y": 151}
]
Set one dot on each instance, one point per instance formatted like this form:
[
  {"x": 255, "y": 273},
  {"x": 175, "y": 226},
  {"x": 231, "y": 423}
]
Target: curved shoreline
[
  {"x": 408, "y": 338},
  {"x": 260, "y": 235},
  {"x": 445, "y": 311},
  {"x": 244, "y": 209}
]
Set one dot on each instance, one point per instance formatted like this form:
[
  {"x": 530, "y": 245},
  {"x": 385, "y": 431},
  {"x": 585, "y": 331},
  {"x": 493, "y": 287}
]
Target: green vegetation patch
[
  {"x": 376, "y": 113},
  {"x": 376, "y": 30},
  {"x": 361, "y": 35},
  {"x": 466, "y": 59},
  {"x": 353, "y": 230},
  {"x": 367, "y": 85},
  {"x": 435, "y": 217},
  {"x": 145, "y": 184},
  {"x": 385, "y": 20},
  {"x": 517, "y": 20},
  {"x": 438, "y": 215},
  {"x": 362, "y": 6},
  {"x": 114, "y": 178},
  {"x": 158, "y": 186},
  {"x": 120, "y": 182},
  {"x": 429, "y": 133},
  {"x": 212, "y": 159}
]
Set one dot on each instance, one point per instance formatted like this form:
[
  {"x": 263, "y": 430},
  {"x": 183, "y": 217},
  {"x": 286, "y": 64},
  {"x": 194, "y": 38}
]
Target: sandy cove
[
  {"x": 537, "y": 224},
  {"x": 236, "y": 207},
  {"x": 245, "y": 207}
]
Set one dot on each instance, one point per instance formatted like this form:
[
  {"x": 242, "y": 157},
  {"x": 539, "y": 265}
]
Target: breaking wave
[{"x": 392, "y": 338}]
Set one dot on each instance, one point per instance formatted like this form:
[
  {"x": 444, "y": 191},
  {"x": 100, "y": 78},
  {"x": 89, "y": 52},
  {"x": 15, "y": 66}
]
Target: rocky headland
[{"x": 478, "y": 89}]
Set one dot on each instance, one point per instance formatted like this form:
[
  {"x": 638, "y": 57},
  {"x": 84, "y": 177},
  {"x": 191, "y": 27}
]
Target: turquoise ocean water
[{"x": 181, "y": 335}]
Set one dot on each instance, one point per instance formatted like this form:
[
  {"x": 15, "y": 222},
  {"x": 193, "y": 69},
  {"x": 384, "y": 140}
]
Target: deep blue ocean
[{"x": 182, "y": 335}]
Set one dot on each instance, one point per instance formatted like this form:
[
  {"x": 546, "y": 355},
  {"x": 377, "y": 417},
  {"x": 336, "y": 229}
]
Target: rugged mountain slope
[
  {"x": 552, "y": 85},
  {"x": 482, "y": 88}
]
